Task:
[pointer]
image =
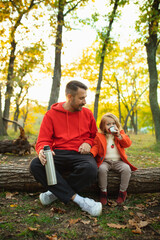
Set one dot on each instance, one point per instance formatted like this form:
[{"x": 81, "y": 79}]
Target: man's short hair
[{"x": 72, "y": 87}]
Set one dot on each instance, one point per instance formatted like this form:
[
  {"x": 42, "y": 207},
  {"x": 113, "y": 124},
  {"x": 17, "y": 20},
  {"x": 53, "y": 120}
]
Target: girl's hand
[{"x": 117, "y": 134}]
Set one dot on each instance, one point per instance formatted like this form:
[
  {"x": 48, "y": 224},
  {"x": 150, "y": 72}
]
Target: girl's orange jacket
[{"x": 100, "y": 147}]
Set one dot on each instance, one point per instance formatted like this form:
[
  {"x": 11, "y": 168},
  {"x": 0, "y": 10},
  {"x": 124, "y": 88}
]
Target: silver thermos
[{"x": 49, "y": 166}]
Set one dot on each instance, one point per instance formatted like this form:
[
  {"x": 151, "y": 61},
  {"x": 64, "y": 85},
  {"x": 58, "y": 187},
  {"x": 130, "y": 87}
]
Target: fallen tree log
[
  {"x": 18, "y": 146},
  {"x": 17, "y": 177}
]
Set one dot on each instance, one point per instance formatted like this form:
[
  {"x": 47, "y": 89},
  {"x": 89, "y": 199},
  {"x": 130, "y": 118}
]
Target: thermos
[{"x": 49, "y": 166}]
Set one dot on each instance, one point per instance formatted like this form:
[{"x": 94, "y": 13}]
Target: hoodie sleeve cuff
[{"x": 90, "y": 142}]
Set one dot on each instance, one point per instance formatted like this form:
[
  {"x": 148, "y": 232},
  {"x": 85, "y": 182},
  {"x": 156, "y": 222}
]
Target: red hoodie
[{"x": 61, "y": 129}]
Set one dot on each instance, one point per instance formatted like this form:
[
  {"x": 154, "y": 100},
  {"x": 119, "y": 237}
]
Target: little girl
[{"x": 110, "y": 154}]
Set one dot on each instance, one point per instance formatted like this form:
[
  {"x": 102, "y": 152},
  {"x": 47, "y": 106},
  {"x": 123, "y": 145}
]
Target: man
[{"x": 69, "y": 129}]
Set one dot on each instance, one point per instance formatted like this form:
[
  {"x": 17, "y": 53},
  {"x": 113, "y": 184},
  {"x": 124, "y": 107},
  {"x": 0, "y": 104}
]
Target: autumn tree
[
  {"x": 148, "y": 26},
  {"x": 31, "y": 115},
  {"x": 27, "y": 61},
  {"x": 12, "y": 14},
  {"x": 126, "y": 74},
  {"x": 105, "y": 38},
  {"x": 125, "y": 81},
  {"x": 64, "y": 8}
]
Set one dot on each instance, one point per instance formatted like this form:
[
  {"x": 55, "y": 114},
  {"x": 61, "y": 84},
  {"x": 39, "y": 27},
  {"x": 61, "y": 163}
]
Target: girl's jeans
[{"x": 119, "y": 166}]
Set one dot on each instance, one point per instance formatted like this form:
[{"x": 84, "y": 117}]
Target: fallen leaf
[
  {"x": 125, "y": 208},
  {"x": 113, "y": 225},
  {"x": 140, "y": 214},
  {"x": 153, "y": 203},
  {"x": 140, "y": 206},
  {"x": 53, "y": 237},
  {"x": 32, "y": 229},
  {"x": 112, "y": 203},
  {"x": 34, "y": 214},
  {"x": 131, "y": 213},
  {"x": 132, "y": 222},
  {"x": 13, "y": 205},
  {"x": 58, "y": 210},
  {"x": 95, "y": 229},
  {"x": 73, "y": 221},
  {"x": 137, "y": 230},
  {"x": 92, "y": 218},
  {"x": 85, "y": 221},
  {"x": 143, "y": 224},
  {"x": 9, "y": 195}
]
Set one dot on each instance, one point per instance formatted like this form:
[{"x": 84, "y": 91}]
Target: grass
[
  {"x": 144, "y": 151},
  {"x": 30, "y": 220},
  {"x": 23, "y": 217}
]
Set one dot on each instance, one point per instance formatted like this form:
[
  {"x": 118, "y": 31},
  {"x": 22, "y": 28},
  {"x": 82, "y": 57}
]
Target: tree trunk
[
  {"x": 2, "y": 128},
  {"x": 119, "y": 99},
  {"x": 129, "y": 111},
  {"x": 16, "y": 177},
  {"x": 16, "y": 115},
  {"x": 151, "y": 48},
  {"x": 106, "y": 41},
  {"x": 9, "y": 86},
  {"x": 58, "y": 48},
  {"x": 25, "y": 115},
  {"x": 133, "y": 122}
]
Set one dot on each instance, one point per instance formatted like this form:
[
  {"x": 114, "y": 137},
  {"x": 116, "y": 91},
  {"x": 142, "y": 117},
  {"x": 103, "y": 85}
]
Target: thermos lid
[{"x": 46, "y": 147}]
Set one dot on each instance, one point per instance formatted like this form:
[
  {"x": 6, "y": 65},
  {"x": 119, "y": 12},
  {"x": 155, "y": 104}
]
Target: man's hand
[
  {"x": 42, "y": 157},
  {"x": 84, "y": 148}
]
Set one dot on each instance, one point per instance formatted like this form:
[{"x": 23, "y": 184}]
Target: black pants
[{"x": 81, "y": 169}]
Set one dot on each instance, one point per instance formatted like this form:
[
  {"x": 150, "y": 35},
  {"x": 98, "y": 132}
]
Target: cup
[{"x": 112, "y": 130}]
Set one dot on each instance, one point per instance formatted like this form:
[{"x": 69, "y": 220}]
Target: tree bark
[
  {"x": 15, "y": 177},
  {"x": 151, "y": 48}
]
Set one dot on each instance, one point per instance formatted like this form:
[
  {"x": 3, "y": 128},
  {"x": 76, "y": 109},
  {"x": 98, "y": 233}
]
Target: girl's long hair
[{"x": 104, "y": 119}]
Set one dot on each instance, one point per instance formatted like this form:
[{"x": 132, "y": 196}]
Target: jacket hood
[{"x": 58, "y": 107}]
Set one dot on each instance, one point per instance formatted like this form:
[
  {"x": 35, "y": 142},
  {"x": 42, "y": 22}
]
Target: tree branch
[{"x": 71, "y": 9}]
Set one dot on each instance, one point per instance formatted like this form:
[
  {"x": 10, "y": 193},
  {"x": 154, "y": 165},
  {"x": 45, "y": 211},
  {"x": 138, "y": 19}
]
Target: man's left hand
[{"x": 84, "y": 148}]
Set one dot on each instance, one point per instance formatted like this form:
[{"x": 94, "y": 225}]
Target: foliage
[
  {"x": 128, "y": 65},
  {"x": 146, "y": 16},
  {"x": 149, "y": 22}
]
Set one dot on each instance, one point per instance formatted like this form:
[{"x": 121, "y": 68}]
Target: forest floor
[{"x": 23, "y": 217}]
